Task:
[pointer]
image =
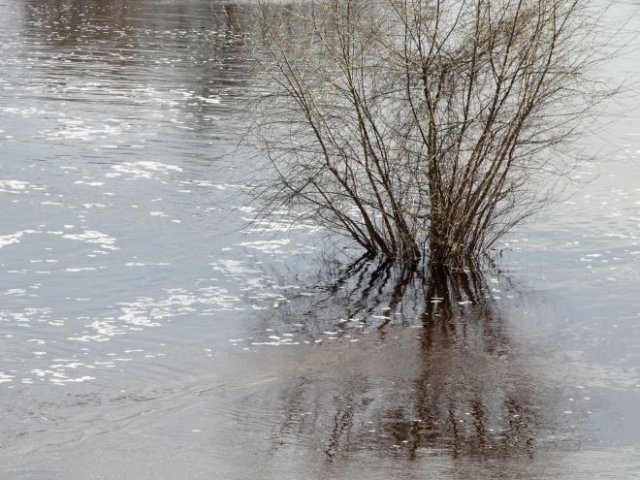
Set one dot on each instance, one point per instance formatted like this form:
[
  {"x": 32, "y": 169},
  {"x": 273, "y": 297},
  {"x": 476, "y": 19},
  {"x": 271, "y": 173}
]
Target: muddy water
[{"x": 147, "y": 332}]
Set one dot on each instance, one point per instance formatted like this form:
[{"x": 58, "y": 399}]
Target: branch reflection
[{"x": 423, "y": 366}]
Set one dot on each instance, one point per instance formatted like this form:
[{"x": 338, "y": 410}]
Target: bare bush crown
[{"x": 417, "y": 126}]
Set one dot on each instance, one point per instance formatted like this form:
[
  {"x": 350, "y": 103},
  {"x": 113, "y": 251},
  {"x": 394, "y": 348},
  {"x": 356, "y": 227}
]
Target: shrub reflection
[{"x": 432, "y": 372}]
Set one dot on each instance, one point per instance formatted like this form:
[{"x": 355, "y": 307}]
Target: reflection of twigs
[
  {"x": 352, "y": 270},
  {"x": 407, "y": 275},
  {"x": 340, "y": 438},
  {"x": 372, "y": 288},
  {"x": 451, "y": 391}
]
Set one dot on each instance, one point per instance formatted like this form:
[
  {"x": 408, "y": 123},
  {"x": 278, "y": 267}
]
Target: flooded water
[{"x": 149, "y": 331}]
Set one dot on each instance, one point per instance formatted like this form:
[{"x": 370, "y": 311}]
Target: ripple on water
[{"x": 56, "y": 360}]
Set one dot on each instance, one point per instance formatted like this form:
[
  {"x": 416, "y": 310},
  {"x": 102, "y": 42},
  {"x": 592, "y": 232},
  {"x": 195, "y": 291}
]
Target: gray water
[{"x": 149, "y": 331}]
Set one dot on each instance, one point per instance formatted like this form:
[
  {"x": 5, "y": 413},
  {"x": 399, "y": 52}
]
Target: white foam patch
[
  {"x": 246, "y": 209},
  {"x": 14, "y": 186},
  {"x": 233, "y": 267},
  {"x": 253, "y": 283},
  {"x": 284, "y": 225},
  {"x": 147, "y": 264},
  {"x": 144, "y": 169},
  {"x": 274, "y": 344},
  {"x": 89, "y": 184},
  {"x": 94, "y": 237},
  {"x": 147, "y": 312},
  {"x": 271, "y": 246},
  {"x": 15, "y": 292},
  {"x": 13, "y": 238},
  {"x": 217, "y": 186},
  {"x": 26, "y": 317},
  {"x": 85, "y": 378},
  {"x": 212, "y": 100},
  {"x": 26, "y": 112},
  {"x": 76, "y": 129},
  {"x": 102, "y": 331}
]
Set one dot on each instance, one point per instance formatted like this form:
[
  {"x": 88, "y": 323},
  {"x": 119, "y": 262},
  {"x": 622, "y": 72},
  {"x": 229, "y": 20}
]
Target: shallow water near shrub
[{"x": 148, "y": 330}]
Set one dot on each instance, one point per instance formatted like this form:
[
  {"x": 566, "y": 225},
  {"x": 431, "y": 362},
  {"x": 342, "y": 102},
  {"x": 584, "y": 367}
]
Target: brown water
[{"x": 147, "y": 333}]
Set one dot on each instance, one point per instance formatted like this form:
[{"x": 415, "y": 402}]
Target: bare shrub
[{"x": 420, "y": 126}]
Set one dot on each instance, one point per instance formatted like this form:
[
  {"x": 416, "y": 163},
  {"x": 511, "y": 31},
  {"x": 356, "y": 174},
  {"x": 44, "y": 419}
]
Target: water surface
[{"x": 146, "y": 331}]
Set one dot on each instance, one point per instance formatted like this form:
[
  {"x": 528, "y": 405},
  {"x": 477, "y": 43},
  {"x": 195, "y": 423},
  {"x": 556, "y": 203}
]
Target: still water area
[{"x": 150, "y": 330}]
